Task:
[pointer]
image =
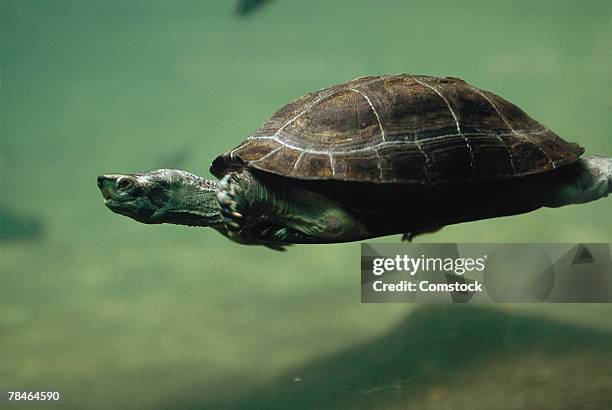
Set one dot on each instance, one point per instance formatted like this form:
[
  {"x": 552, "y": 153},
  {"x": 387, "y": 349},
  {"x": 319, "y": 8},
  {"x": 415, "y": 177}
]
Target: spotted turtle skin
[{"x": 400, "y": 129}]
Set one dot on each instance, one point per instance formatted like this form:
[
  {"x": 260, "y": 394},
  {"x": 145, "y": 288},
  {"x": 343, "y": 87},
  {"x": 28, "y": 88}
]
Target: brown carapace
[{"x": 400, "y": 129}]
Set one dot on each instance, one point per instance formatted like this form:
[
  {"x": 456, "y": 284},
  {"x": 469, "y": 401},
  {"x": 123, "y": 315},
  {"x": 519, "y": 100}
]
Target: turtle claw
[
  {"x": 232, "y": 202},
  {"x": 408, "y": 237},
  {"x": 223, "y": 198}
]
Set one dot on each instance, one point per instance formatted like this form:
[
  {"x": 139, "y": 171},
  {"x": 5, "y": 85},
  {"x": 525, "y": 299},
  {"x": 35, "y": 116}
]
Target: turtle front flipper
[
  {"x": 249, "y": 212},
  {"x": 260, "y": 211},
  {"x": 232, "y": 202}
]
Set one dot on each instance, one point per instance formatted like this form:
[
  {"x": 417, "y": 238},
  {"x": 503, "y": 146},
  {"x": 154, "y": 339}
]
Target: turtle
[{"x": 375, "y": 156}]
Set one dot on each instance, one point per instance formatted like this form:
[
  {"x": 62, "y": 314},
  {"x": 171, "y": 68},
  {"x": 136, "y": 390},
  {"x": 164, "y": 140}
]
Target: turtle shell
[{"x": 400, "y": 129}]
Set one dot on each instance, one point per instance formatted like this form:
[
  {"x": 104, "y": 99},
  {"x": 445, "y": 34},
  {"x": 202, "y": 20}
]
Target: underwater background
[{"x": 117, "y": 314}]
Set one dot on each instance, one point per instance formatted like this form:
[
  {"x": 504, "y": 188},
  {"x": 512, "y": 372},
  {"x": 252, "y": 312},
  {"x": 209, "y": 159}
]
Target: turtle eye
[{"x": 124, "y": 184}]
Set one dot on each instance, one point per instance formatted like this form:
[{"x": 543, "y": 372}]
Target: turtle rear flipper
[
  {"x": 587, "y": 180},
  {"x": 409, "y": 236},
  {"x": 280, "y": 248}
]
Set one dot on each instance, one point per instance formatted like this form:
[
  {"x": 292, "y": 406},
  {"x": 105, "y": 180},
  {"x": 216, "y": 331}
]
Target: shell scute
[
  {"x": 492, "y": 160},
  {"x": 403, "y": 163},
  {"x": 279, "y": 160},
  {"x": 363, "y": 163},
  {"x": 315, "y": 165},
  {"x": 352, "y": 124},
  {"x": 449, "y": 157}
]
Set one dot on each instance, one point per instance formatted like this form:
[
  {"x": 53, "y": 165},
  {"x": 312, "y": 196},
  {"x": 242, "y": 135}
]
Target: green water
[{"x": 116, "y": 314}]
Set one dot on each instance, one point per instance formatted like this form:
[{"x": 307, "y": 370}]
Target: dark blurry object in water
[
  {"x": 246, "y": 7},
  {"x": 176, "y": 159},
  {"x": 446, "y": 356},
  {"x": 14, "y": 226}
]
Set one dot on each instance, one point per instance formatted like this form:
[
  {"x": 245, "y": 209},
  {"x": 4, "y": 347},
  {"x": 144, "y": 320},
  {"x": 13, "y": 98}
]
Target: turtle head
[{"x": 162, "y": 196}]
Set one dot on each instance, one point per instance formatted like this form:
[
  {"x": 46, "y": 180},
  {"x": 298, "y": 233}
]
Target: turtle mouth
[
  {"x": 123, "y": 206},
  {"x": 115, "y": 204}
]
